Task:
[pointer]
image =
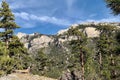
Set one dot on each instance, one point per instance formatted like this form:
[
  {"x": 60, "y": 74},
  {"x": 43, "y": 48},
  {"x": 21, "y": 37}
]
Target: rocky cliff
[{"x": 35, "y": 41}]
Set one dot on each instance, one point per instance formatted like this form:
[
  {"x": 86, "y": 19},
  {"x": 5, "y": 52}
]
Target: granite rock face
[
  {"x": 91, "y": 32},
  {"x": 35, "y": 41}
]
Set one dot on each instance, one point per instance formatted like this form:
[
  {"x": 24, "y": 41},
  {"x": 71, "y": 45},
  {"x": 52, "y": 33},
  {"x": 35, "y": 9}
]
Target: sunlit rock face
[
  {"x": 92, "y": 32},
  {"x": 20, "y": 35},
  {"x": 35, "y": 41},
  {"x": 40, "y": 42},
  {"x": 62, "y": 31}
]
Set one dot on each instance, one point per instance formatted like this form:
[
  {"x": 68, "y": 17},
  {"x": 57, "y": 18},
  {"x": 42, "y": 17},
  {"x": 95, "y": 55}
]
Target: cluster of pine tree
[
  {"x": 96, "y": 58},
  {"x": 13, "y": 55},
  {"x": 93, "y": 58}
]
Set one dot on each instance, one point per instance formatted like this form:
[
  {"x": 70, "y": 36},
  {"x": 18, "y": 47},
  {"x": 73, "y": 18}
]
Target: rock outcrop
[
  {"x": 91, "y": 32},
  {"x": 20, "y": 35},
  {"x": 35, "y": 41},
  {"x": 19, "y": 76}
]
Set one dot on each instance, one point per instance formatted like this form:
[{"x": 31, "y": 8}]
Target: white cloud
[
  {"x": 29, "y": 20},
  {"x": 22, "y": 15},
  {"x": 109, "y": 19},
  {"x": 30, "y": 17}
]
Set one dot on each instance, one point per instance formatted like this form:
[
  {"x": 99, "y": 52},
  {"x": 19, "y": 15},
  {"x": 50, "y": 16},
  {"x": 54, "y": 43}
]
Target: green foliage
[
  {"x": 7, "y": 18},
  {"x": 106, "y": 46},
  {"x": 6, "y": 64},
  {"x": 13, "y": 55},
  {"x": 7, "y": 22},
  {"x": 40, "y": 63},
  {"x": 114, "y": 5},
  {"x": 3, "y": 50},
  {"x": 80, "y": 48},
  {"x": 18, "y": 53},
  {"x": 82, "y": 55},
  {"x": 54, "y": 72}
]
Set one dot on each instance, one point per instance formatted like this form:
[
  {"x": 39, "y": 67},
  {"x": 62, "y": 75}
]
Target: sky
[{"x": 50, "y": 16}]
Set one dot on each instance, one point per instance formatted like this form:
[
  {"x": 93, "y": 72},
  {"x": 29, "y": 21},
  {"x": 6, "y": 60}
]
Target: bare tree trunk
[
  {"x": 100, "y": 59},
  {"x": 100, "y": 62},
  {"x": 82, "y": 65},
  {"x": 112, "y": 60},
  {"x": 113, "y": 74}
]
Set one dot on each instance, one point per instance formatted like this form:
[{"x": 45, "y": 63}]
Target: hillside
[
  {"x": 85, "y": 51},
  {"x": 59, "y": 52},
  {"x": 35, "y": 41},
  {"x": 56, "y": 55}
]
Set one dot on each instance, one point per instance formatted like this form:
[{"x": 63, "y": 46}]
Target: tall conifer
[
  {"x": 14, "y": 55},
  {"x": 7, "y": 22},
  {"x": 114, "y": 5}
]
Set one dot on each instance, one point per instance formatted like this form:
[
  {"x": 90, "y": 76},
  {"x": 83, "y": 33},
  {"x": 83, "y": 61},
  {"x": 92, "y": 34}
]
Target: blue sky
[{"x": 50, "y": 16}]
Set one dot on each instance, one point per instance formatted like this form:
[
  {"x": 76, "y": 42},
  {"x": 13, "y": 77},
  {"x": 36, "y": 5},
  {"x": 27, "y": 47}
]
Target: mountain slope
[{"x": 35, "y": 41}]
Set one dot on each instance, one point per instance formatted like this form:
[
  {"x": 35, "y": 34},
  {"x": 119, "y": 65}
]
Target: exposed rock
[
  {"x": 62, "y": 31},
  {"x": 35, "y": 41},
  {"x": 19, "y": 76},
  {"x": 91, "y": 32},
  {"x": 71, "y": 75},
  {"x": 20, "y": 35},
  {"x": 40, "y": 42}
]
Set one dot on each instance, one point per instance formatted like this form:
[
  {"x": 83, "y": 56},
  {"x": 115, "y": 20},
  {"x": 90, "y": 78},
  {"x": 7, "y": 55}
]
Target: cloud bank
[
  {"x": 108, "y": 19},
  {"x": 30, "y": 17}
]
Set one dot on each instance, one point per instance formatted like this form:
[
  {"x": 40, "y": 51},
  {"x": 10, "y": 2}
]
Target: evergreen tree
[
  {"x": 40, "y": 63},
  {"x": 106, "y": 49},
  {"x": 80, "y": 49},
  {"x": 4, "y": 59},
  {"x": 13, "y": 55},
  {"x": 18, "y": 53},
  {"x": 117, "y": 57},
  {"x": 7, "y": 22},
  {"x": 114, "y": 5}
]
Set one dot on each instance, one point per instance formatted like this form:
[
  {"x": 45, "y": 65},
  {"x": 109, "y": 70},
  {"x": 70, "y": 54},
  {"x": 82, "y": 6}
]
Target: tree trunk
[
  {"x": 112, "y": 60},
  {"x": 100, "y": 62},
  {"x": 113, "y": 73},
  {"x": 7, "y": 42},
  {"x": 82, "y": 65},
  {"x": 100, "y": 59},
  {"x": 6, "y": 39}
]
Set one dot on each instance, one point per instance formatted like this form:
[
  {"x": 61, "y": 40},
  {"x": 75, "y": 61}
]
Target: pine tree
[
  {"x": 18, "y": 53},
  {"x": 106, "y": 49},
  {"x": 7, "y": 22},
  {"x": 79, "y": 48},
  {"x": 6, "y": 62},
  {"x": 40, "y": 63},
  {"x": 13, "y": 55},
  {"x": 114, "y": 5},
  {"x": 116, "y": 75}
]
